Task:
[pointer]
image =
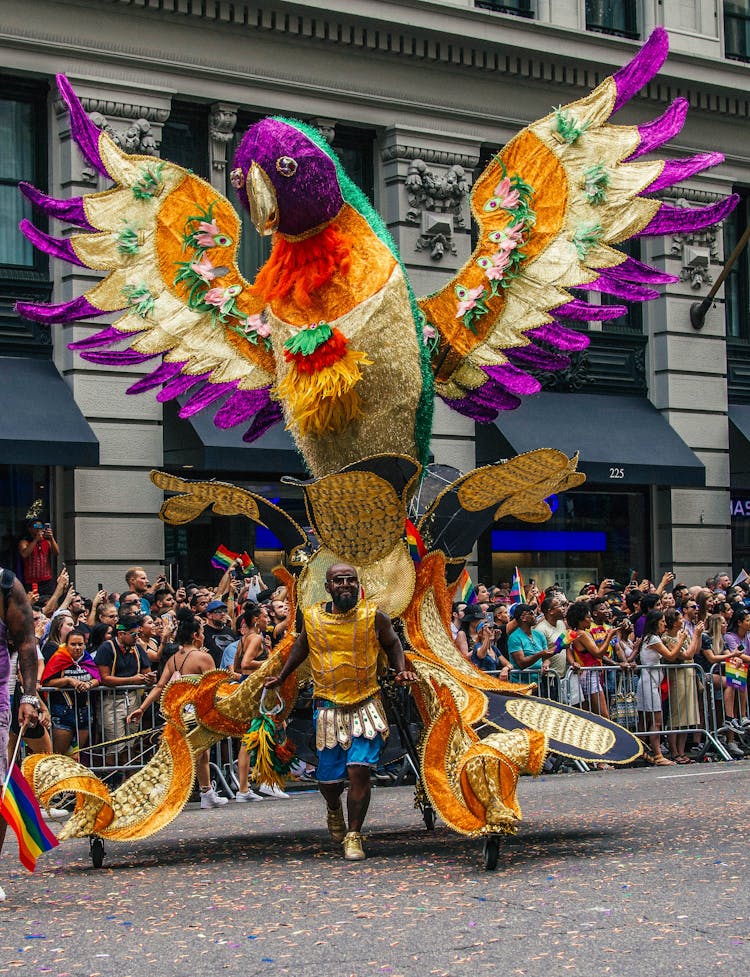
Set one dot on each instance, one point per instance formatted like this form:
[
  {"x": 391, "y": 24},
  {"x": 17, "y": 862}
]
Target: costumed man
[{"x": 343, "y": 638}]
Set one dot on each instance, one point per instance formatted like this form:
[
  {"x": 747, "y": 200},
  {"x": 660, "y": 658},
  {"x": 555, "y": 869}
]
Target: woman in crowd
[
  {"x": 737, "y": 641},
  {"x": 190, "y": 659},
  {"x": 683, "y": 697},
  {"x": 478, "y": 636},
  {"x": 712, "y": 658},
  {"x": 585, "y": 654},
  {"x": 648, "y": 695},
  {"x": 71, "y": 672},
  {"x": 99, "y": 634},
  {"x": 61, "y": 626}
]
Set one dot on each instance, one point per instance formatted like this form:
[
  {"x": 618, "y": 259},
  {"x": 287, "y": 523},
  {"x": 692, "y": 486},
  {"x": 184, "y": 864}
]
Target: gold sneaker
[
  {"x": 336, "y": 824},
  {"x": 353, "y": 850}
]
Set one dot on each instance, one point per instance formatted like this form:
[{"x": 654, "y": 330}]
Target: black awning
[
  {"x": 40, "y": 422},
  {"x": 195, "y": 442},
  {"x": 621, "y": 440}
]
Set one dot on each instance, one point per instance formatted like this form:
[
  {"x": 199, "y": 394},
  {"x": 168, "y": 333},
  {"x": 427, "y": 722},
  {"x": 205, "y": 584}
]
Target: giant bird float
[{"x": 330, "y": 340}]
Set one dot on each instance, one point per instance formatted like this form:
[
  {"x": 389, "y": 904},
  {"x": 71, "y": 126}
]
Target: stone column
[
  {"x": 221, "y": 122},
  {"x": 110, "y": 512},
  {"x": 687, "y": 384}
]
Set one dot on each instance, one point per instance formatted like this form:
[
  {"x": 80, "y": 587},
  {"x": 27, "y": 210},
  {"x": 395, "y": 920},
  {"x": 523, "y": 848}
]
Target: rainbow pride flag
[
  {"x": 736, "y": 675},
  {"x": 224, "y": 558},
  {"x": 417, "y": 549},
  {"x": 564, "y": 641},
  {"x": 465, "y": 589},
  {"x": 517, "y": 591},
  {"x": 20, "y": 809}
]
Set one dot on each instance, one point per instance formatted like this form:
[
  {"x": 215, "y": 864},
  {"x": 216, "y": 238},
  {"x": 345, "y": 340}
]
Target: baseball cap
[{"x": 215, "y": 605}]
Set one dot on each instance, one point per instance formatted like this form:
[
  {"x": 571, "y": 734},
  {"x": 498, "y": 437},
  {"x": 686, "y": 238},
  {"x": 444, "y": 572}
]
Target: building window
[
  {"x": 737, "y": 285},
  {"x": 520, "y": 8},
  {"x": 737, "y": 29},
  {"x": 24, "y": 271},
  {"x": 618, "y": 17},
  {"x": 184, "y": 138}
]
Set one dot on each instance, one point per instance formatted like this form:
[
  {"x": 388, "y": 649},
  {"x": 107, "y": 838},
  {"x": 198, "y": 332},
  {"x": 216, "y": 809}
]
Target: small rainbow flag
[
  {"x": 465, "y": 588},
  {"x": 20, "y": 809},
  {"x": 736, "y": 675},
  {"x": 564, "y": 641},
  {"x": 517, "y": 591},
  {"x": 417, "y": 549},
  {"x": 224, "y": 558}
]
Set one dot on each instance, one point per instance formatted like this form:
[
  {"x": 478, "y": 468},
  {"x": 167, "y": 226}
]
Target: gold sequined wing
[
  {"x": 550, "y": 209},
  {"x": 168, "y": 243}
]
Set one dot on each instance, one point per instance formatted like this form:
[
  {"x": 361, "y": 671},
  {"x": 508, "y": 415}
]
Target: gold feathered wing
[{"x": 549, "y": 209}]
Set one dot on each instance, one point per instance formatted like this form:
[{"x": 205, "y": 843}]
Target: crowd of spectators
[
  {"x": 131, "y": 644},
  {"x": 584, "y": 649}
]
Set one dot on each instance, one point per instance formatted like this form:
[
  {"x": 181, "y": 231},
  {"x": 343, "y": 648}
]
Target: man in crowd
[
  {"x": 136, "y": 579},
  {"x": 16, "y": 627},
  {"x": 552, "y": 627},
  {"x": 217, "y": 633},
  {"x": 343, "y": 638}
]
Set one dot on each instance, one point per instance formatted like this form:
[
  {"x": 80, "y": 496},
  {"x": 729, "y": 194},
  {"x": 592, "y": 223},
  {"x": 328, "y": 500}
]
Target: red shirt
[{"x": 37, "y": 566}]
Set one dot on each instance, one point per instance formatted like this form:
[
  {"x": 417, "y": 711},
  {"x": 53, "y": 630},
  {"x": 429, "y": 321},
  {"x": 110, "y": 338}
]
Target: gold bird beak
[{"x": 264, "y": 210}]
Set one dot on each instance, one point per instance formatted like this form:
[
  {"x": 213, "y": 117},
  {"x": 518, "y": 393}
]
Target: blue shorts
[
  {"x": 67, "y": 718},
  {"x": 333, "y": 761}
]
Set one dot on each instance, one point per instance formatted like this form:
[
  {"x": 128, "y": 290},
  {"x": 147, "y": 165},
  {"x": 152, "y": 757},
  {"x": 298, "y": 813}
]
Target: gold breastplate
[{"x": 344, "y": 652}]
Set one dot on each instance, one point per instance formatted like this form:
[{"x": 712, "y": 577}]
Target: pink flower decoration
[
  {"x": 472, "y": 294},
  {"x": 204, "y": 269},
  {"x": 500, "y": 261},
  {"x": 207, "y": 231},
  {"x": 214, "y": 296},
  {"x": 259, "y": 325},
  {"x": 507, "y": 198},
  {"x": 428, "y": 332}
]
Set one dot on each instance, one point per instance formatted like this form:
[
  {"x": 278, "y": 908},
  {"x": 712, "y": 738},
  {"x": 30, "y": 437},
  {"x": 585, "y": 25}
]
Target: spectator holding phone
[{"x": 38, "y": 550}]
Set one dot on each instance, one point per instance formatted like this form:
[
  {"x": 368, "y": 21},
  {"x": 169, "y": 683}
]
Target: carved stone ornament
[
  {"x": 573, "y": 378},
  {"x": 138, "y": 137},
  {"x": 221, "y": 123},
  {"x": 696, "y": 250},
  {"x": 439, "y": 193},
  {"x": 436, "y": 237}
]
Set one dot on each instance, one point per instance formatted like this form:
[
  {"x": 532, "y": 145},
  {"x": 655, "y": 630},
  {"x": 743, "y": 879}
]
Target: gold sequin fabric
[
  {"x": 565, "y": 727},
  {"x": 344, "y": 652}
]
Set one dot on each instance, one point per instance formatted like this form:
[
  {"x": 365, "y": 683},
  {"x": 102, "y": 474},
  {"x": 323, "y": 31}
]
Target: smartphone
[{"x": 100, "y": 586}]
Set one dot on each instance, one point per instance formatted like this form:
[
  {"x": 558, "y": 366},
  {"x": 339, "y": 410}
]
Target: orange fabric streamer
[{"x": 299, "y": 268}]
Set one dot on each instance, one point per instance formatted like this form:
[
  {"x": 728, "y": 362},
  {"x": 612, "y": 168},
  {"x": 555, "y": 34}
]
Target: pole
[{"x": 698, "y": 310}]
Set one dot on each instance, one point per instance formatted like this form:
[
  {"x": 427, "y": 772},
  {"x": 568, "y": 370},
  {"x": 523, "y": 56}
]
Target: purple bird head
[{"x": 286, "y": 181}]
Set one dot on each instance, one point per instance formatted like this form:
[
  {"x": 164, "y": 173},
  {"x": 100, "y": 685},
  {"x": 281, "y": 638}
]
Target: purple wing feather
[
  {"x": 72, "y": 211},
  {"x": 83, "y": 130},
  {"x": 53, "y": 246}
]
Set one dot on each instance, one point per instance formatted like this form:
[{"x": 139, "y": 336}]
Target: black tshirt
[
  {"x": 215, "y": 641},
  {"x": 122, "y": 662}
]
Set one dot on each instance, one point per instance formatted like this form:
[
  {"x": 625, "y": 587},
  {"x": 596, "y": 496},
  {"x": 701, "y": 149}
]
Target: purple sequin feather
[
  {"x": 676, "y": 170},
  {"x": 242, "y": 405},
  {"x": 71, "y": 211},
  {"x": 585, "y": 312},
  {"x": 56, "y": 247},
  {"x": 471, "y": 408},
  {"x": 655, "y": 133},
  {"x": 160, "y": 375},
  {"x": 621, "y": 289},
  {"x": 633, "y": 76},
  {"x": 79, "y": 308},
  {"x": 265, "y": 418},
  {"x": 82, "y": 128},
  {"x": 207, "y": 395},
  {"x": 560, "y": 337},
  {"x": 514, "y": 380},
  {"x": 180, "y": 385},
  {"x": 537, "y": 359},
  {"x": 677, "y": 220},
  {"x": 104, "y": 338},
  {"x": 117, "y": 357},
  {"x": 632, "y": 270}
]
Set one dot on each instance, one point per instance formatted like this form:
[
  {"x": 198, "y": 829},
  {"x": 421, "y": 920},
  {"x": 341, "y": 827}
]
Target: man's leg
[{"x": 358, "y": 798}]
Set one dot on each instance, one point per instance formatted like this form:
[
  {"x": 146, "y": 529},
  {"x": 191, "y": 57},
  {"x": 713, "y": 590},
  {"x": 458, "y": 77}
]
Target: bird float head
[{"x": 285, "y": 179}]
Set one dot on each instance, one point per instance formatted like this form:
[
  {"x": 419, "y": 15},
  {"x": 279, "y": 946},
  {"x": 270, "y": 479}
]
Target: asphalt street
[{"x": 638, "y": 872}]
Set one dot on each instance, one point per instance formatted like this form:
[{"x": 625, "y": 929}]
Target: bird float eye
[
  {"x": 496, "y": 237},
  {"x": 492, "y": 204},
  {"x": 237, "y": 178},
  {"x": 461, "y": 292},
  {"x": 233, "y": 290},
  {"x": 484, "y": 262},
  {"x": 222, "y": 240},
  {"x": 286, "y": 165}
]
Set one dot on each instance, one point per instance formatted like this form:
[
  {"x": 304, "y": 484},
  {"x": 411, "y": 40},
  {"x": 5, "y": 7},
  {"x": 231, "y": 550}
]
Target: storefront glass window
[
  {"x": 20, "y": 487},
  {"x": 591, "y": 535}
]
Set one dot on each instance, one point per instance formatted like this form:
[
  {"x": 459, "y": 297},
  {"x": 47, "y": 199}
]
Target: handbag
[{"x": 622, "y": 705}]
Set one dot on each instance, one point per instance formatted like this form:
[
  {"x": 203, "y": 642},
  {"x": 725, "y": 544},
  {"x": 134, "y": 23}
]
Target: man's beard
[{"x": 344, "y": 602}]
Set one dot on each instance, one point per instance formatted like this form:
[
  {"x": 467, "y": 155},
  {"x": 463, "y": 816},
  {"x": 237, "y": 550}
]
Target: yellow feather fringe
[{"x": 325, "y": 402}]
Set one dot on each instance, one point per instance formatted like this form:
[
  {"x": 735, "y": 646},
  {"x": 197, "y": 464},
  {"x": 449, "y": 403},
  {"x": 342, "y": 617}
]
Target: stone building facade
[{"x": 415, "y": 95}]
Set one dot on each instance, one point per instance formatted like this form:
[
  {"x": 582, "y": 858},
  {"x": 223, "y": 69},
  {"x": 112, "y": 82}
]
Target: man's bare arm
[
  {"x": 393, "y": 648},
  {"x": 300, "y": 651}
]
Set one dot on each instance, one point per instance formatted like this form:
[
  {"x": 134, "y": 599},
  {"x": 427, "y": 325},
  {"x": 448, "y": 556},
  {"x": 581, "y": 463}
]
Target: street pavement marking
[{"x": 702, "y": 773}]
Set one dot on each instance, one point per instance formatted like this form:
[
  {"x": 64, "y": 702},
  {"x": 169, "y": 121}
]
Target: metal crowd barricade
[
  {"x": 678, "y": 692},
  {"x": 115, "y": 749},
  {"x": 716, "y": 691}
]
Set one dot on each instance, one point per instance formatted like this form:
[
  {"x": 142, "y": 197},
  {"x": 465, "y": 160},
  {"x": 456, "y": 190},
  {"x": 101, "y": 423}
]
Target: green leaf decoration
[
  {"x": 596, "y": 182},
  {"x": 586, "y": 237},
  {"x": 567, "y": 127},
  {"x": 308, "y": 340},
  {"x": 140, "y": 299},
  {"x": 127, "y": 239},
  {"x": 150, "y": 182}
]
